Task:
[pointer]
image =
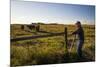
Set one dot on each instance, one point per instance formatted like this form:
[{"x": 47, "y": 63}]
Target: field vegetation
[{"x": 49, "y": 50}]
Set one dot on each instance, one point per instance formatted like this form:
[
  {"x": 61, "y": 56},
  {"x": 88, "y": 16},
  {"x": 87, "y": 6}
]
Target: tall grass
[{"x": 49, "y": 50}]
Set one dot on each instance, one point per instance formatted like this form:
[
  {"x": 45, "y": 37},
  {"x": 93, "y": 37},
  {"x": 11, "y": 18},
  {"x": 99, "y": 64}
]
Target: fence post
[
  {"x": 66, "y": 40},
  {"x": 22, "y": 27},
  {"x": 38, "y": 28}
]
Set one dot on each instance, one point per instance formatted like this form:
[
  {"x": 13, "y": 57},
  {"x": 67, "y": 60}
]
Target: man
[{"x": 80, "y": 32}]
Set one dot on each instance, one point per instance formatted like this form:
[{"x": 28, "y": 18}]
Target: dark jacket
[{"x": 80, "y": 33}]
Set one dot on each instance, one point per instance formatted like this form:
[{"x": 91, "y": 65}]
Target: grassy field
[{"x": 49, "y": 50}]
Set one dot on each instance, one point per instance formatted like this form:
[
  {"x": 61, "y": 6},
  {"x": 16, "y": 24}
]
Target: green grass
[{"x": 49, "y": 50}]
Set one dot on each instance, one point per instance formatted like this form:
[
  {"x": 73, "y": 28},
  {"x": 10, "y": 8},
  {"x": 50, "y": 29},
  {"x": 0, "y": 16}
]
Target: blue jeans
[{"x": 79, "y": 47}]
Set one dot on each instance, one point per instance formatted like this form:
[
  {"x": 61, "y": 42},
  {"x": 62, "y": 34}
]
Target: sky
[{"x": 26, "y": 12}]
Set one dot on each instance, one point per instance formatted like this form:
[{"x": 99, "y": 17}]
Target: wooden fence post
[
  {"x": 22, "y": 27},
  {"x": 66, "y": 40},
  {"x": 38, "y": 28}
]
